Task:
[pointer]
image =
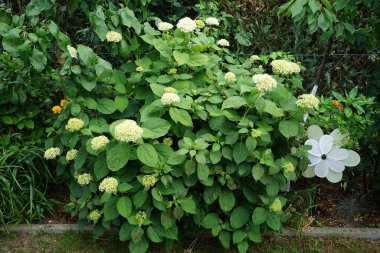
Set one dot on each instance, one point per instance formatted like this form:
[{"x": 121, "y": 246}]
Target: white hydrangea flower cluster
[
  {"x": 186, "y": 25},
  {"x": 148, "y": 181},
  {"x": 128, "y": 130},
  {"x": 229, "y": 76},
  {"x": 285, "y": 67},
  {"x": 94, "y": 215},
  {"x": 113, "y": 36},
  {"x": 307, "y": 101},
  {"x": 109, "y": 185},
  {"x": 71, "y": 154},
  {"x": 74, "y": 124},
  {"x": 72, "y": 51},
  {"x": 212, "y": 21},
  {"x": 164, "y": 26},
  {"x": 223, "y": 43},
  {"x": 84, "y": 179},
  {"x": 255, "y": 58},
  {"x": 52, "y": 153},
  {"x": 170, "y": 96},
  {"x": 99, "y": 142},
  {"x": 264, "y": 82}
]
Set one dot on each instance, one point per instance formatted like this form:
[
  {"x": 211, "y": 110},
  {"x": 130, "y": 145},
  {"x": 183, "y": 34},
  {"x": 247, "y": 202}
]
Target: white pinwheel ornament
[{"x": 326, "y": 157}]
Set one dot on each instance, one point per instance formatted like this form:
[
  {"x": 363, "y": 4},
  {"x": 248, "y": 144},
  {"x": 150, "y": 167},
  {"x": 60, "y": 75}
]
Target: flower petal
[
  {"x": 334, "y": 177},
  {"x": 338, "y": 154},
  {"x": 339, "y": 138},
  {"x": 314, "y": 132},
  {"x": 309, "y": 172},
  {"x": 314, "y": 160},
  {"x": 322, "y": 169},
  {"x": 352, "y": 160},
  {"x": 335, "y": 165},
  {"x": 314, "y": 147},
  {"x": 326, "y": 143}
]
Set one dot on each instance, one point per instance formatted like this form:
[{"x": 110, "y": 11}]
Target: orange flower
[
  {"x": 337, "y": 104},
  {"x": 56, "y": 109},
  {"x": 63, "y": 102}
]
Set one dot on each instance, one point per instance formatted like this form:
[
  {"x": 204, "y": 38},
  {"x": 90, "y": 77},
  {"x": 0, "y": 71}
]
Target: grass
[{"x": 82, "y": 243}]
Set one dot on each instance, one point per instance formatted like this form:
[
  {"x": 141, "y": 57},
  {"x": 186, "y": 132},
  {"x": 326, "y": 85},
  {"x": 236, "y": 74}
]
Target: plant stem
[{"x": 326, "y": 54}]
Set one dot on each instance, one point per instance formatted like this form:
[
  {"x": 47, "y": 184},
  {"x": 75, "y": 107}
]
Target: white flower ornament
[{"x": 327, "y": 158}]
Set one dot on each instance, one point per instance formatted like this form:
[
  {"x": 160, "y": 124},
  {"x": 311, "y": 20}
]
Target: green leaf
[
  {"x": 197, "y": 60},
  {"x": 296, "y": 7},
  {"x": 86, "y": 55},
  {"x": 234, "y": 102},
  {"x": 323, "y": 22},
  {"x": 272, "y": 189},
  {"x": 117, "y": 156},
  {"x": 243, "y": 246},
  {"x": 288, "y": 128},
  {"x": 238, "y": 236},
  {"x": 314, "y": 5},
  {"x": 38, "y": 60},
  {"x": 203, "y": 172},
  {"x": 226, "y": 200},
  {"x": 129, "y": 19},
  {"x": 147, "y": 154},
  {"x": 239, "y": 217},
  {"x": 257, "y": 172},
  {"x": 188, "y": 205},
  {"x": 273, "y": 221},
  {"x": 211, "y": 194},
  {"x": 103, "y": 70},
  {"x": 35, "y": 7},
  {"x": 121, "y": 103},
  {"x": 225, "y": 239},
  {"x": 155, "y": 128},
  {"x": 100, "y": 167},
  {"x": 126, "y": 231},
  {"x": 167, "y": 219},
  {"x": 180, "y": 115},
  {"x": 210, "y": 220},
  {"x": 124, "y": 207},
  {"x": 240, "y": 152},
  {"x": 109, "y": 210},
  {"x": 271, "y": 108},
  {"x": 259, "y": 216},
  {"x": 106, "y": 106},
  {"x": 153, "y": 235},
  {"x": 139, "y": 198},
  {"x": 139, "y": 247},
  {"x": 181, "y": 58}
]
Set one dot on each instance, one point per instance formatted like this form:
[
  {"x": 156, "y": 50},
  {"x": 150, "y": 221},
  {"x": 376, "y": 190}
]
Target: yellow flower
[
  {"x": 307, "y": 101},
  {"x": 56, "y": 109},
  {"x": 140, "y": 69},
  {"x": 63, "y": 102},
  {"x": 84, "y": 179},
  {"x": 337, "y": 104}
]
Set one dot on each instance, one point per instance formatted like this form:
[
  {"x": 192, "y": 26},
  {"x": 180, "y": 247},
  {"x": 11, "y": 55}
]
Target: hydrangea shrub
[{"x": 185, "y": 136}]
